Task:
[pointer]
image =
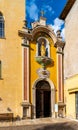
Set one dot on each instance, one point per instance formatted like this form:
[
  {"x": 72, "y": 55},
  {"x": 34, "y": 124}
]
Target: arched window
[
  {"x": 1, "y": 25},
  {"x": 43, "y": 48}
]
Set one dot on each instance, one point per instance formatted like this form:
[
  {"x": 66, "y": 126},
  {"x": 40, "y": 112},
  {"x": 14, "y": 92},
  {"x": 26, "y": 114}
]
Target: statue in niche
[
  {"x": 46, "y": 54},
  {"x": 43, "y": 49}
]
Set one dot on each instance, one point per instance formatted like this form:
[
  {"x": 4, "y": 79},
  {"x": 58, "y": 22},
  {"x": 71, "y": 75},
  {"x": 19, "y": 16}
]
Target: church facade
[
  {"x": 31, "y": 66},
  {"x": 43, "y": 57},
  {"x": 70, "y": 16}
]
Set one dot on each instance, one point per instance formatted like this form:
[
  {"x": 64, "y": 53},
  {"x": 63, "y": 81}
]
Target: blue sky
[{"x": 52, "y": 10}]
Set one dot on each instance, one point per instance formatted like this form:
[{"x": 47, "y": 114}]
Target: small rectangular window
[{"x": 1, "y": 26}]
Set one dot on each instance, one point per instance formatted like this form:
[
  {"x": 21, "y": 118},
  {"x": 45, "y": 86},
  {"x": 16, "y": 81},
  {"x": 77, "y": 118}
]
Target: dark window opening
[{"x": 1, "y": 26}]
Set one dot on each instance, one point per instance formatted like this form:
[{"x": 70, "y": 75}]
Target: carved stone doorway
[{"x": 43, "y": 99}]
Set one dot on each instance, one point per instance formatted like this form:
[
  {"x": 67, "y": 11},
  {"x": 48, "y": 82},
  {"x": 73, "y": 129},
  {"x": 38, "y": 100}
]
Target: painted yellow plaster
[
  {"x": 71, "y": 86},
  {"x": 34, "y": 65},
  {"x": 11, "y": 55}
]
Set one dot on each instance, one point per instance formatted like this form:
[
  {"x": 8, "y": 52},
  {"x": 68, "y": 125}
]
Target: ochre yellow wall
[
  {"x": 11, "y": 55},
  {"x": 71, "y": 86},
  {"x": 34, "y": 65}
]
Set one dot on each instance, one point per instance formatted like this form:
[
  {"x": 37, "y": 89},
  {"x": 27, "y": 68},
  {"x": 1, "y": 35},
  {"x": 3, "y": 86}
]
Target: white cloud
[
  {"x": 58, "y": 26},
  {"x": 63, "y": 33},
  {"x": 48, "y": 8},
  {"x": 32, "y": 10}
]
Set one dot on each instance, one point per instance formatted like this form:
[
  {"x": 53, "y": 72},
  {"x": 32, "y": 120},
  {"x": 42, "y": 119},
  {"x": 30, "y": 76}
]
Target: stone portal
[{"x": 43, "y": 99}]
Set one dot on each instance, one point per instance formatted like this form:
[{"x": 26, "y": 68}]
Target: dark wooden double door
[{"x": 43, "y": 99}]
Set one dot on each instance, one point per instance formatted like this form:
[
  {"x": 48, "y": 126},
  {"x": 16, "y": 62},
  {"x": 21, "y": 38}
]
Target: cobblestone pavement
[{"x": 41, "y": 124}]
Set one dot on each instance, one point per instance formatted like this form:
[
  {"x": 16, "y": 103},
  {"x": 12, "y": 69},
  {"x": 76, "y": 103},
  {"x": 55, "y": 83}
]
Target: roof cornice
[
  {"x": 31, "y": 35},
  {"x": 66, "y": 9}
]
